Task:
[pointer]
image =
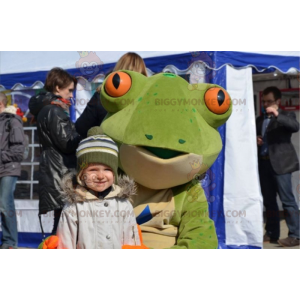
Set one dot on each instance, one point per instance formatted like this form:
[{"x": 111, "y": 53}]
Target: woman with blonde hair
[
  {"x": 94, "y": 112},
  {"x": 12, "y": 149},
  {"x": 131, "y": 62}
]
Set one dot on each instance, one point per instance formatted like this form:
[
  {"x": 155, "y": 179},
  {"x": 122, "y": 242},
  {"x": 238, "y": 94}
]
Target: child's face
[{"x": 98, "y": 177}]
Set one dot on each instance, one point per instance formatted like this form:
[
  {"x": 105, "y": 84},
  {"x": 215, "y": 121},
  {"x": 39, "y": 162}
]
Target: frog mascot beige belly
[{"x": 167, "y": 134}]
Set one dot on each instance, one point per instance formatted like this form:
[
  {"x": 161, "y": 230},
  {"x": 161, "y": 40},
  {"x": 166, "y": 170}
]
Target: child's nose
[{"x": 100, "y": 175}]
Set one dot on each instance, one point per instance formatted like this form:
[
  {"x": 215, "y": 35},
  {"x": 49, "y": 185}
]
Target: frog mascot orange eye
[
  {"x": 217, "y": 100},
  {"x": 118, "y": 84}
]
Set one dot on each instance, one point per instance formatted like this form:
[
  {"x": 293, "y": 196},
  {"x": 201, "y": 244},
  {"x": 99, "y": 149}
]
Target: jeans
[
  {"x": 8, "y": 212},
  {"x": 271, "y": 184}
]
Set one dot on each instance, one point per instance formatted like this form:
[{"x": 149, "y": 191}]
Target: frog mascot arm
[{"x": 167, "y": 135}]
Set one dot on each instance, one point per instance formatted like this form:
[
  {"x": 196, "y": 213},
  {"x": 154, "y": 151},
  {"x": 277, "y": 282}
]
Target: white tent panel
[
  {"x": 27, "y": 217},
  {"x": 242, "y": 196}
]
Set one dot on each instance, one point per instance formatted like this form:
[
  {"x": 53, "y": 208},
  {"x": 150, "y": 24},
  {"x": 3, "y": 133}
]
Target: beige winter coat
[{"x": 97, "y": 223}]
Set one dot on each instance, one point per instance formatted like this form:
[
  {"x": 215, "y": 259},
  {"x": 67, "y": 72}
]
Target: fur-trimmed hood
[
  {"x": 73, "y": 192},
  {"x": 11, "y": 109}
]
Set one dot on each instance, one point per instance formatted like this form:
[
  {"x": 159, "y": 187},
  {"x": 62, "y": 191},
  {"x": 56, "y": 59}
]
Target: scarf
[{"x": 64, "y": 104}]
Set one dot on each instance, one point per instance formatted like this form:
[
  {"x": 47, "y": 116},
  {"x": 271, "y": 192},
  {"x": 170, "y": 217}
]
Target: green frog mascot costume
[{"x": 166, "y": 130}]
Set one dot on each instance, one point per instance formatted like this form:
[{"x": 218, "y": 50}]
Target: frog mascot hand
[{"x": 167, "y": 134}]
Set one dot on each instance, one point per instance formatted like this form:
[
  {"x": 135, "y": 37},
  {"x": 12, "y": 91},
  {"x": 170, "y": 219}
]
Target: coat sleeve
[
  {"x": 16, "y": 143},
  {"x": 93, "y": 115},
  {"x": 130, "y": 231},
  {"x": 62, "y": 131},
  {"x": 288, "y": 121},
  {"x": 67, "y": 228},
  {"x": 196, "y": 229}
]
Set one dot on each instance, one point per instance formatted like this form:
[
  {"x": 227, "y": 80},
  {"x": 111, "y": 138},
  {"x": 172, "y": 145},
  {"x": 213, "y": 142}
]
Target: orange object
[
  {"x": 134, "y": 247},
  {"x": 142, "y": 246},
  {"x": 51, "y": 242},
  {"x": 217, "y": 100},
  {"x": 118, "y": 84}
]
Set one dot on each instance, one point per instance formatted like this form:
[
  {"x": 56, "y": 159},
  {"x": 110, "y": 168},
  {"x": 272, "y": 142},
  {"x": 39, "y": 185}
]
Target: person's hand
[
  {"x": 272, "y": 110},
  {"x": 259, "y": 140}
]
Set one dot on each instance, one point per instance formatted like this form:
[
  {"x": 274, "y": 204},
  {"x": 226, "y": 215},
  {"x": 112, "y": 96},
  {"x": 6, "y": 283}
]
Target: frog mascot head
[{"x": 167, "y": 134}]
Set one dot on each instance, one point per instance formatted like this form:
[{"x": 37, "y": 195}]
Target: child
[{"x": 98, "y": 213}]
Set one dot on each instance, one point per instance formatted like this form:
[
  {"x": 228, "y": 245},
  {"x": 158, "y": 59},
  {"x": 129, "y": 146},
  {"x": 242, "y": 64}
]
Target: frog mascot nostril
[{"x": 167, "y": 134}]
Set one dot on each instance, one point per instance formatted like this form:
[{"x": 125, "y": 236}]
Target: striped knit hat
[{"x": 97, "y": 148}]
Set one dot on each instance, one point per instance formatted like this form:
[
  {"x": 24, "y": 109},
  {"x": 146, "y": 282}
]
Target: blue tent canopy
[{"x": 284, "y": 62}]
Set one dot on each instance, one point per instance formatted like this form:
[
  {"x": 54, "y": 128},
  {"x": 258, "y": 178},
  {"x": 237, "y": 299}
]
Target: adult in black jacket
[
  {"x": 94, "y": 112},
  {"x": 58, "y": 138},
  {"x": 92, "y": 116},
  {"x": 277, "y": 159}
]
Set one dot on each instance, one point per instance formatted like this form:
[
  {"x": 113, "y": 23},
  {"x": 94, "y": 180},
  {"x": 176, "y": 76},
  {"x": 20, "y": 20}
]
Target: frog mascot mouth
[
  {"x": 167, "y": 134},
  {"x": 155, "y": 172}
]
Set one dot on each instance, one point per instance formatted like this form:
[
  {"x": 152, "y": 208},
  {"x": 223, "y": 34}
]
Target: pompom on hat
[{"x": 97, "y": 148}]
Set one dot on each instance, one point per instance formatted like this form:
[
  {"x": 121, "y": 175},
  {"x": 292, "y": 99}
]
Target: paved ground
[{"x": 283, "y": 234}]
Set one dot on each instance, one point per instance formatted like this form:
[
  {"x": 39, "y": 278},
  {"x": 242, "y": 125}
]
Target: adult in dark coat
[
  {"x": 92, "y": 116},
  {"x": 12, "y": 147},
  {"x": 58, "y": 138},
  {"x": 94, "y": 113},
  {"x": 277, "y": 159}
]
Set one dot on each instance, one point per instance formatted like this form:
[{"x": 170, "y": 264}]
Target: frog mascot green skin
[{"x": 167, "y": 134}]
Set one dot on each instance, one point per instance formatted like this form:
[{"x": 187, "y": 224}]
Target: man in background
[{"x": 277, "y": 159}]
